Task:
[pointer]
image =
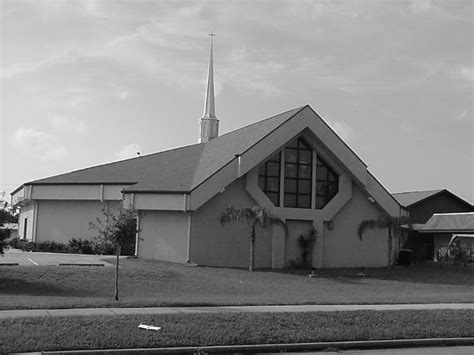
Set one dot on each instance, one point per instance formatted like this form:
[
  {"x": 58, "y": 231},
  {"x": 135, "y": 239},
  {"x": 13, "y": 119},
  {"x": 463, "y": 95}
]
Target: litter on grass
[{"x": 148, "y": 327}]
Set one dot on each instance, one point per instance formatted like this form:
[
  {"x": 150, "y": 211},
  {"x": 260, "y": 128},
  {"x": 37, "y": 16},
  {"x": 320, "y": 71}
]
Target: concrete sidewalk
[{"x": 227, "y": 309}]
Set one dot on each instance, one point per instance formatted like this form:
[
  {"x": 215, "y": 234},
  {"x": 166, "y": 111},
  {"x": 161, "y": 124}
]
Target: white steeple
[{"x": 209, "y": 123}]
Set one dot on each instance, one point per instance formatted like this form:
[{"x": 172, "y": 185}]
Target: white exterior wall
[
  {"x": 163, "y": 235},
  {"x": 228, "y": 245},
  {"x": 342, "y": 246},
  {"x": 77, "y": 192},
  {"x": 62, "y": 220},
  {"x": 27, "y": 212},
  {"x": 293, "y": 252},
  {"x": 164, "y": 202}
]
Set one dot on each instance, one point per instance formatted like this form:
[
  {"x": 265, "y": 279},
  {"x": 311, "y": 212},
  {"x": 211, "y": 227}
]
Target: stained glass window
[
  {"x": 298, "y": 174},
  {"x": 269, "y": 178},
  {"x": 327, "y": 183}
]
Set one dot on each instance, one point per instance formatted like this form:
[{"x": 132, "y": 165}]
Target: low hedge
[{"x": 94, "y": 246}]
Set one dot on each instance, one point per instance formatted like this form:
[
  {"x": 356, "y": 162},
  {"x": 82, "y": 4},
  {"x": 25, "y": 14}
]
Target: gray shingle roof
[
  {"x": 409, "y": 198},
  {"x": 439, "y": 222},
  {"x": 177, "y": 170}
]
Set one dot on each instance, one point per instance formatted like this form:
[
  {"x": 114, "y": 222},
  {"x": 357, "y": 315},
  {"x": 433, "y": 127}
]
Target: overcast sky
[{"x": 88, "y": 82}]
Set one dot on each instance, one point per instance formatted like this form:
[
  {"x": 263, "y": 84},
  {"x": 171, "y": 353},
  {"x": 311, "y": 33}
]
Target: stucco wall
[
  {"x": 27, "y": 212},
  {"x": 342, "y": 247},
  {"x": 163, "y": 235},
  {"x": 292, "y": 251},
  {"x": 228, "y": 245},
  {"x": 62, "y": 220}
]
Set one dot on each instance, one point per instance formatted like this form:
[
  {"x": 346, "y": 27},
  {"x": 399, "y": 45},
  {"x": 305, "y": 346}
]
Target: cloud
[
  {"x": 467, "y": 73},
  {"x": 39, "y": 143},
  {"x": 65, "y": 123},
  {"x": 345, "y": 131},
  {"x": 31, "y": 67},
  {"x": 128, "y": 151},
  {"x": 462, "y": 116},
  {"x": 118, "y": 91},
  {"x": 419, "y": 6},
  {"x": 77, "y": 102},
  {"x": 253, "y": 70},
  {"x": 407, "y": 127}
]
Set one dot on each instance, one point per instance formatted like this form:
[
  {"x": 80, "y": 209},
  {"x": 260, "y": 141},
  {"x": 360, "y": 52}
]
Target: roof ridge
[
  {"x": 416, "y": 191},
  {"x": 297, "y": 109}
]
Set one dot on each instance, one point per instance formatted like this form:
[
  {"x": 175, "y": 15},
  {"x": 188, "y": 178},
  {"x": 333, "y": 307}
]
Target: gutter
[{"x": 285, "y": 347}]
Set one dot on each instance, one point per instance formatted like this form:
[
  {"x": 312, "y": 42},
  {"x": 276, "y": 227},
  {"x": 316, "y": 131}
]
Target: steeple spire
[
  {"x": 209, "y": 123},
  {"x": 209, "y": 106}
]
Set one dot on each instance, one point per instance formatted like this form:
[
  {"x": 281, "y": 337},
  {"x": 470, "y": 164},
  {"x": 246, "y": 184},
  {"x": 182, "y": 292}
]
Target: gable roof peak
[{"x": 410, "y": 198}]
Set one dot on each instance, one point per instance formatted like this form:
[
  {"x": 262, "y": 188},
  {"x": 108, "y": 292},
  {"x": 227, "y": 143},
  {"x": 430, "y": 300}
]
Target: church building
[{"x": 293, "y": 163}]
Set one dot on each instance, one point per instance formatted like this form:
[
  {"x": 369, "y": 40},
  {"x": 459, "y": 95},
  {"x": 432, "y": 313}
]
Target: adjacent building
[{"x": 436, "y": 215}]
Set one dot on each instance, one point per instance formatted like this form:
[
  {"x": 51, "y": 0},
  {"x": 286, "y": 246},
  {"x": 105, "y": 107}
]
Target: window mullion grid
[{"x": 313, "y": 180}]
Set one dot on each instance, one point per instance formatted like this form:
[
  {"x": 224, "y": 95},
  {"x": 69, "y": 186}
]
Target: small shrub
[
  {"x": 50, "y": 246},
  {"x": 96, "y": 245},
  {"x": 81, "y": 246},
  {"x": 13, "y": 243},
  {"x": 102, "y": 246},
  {"x": 297, "y": 264},
  {"x": 24, "y": 245},
  {"x": 306, "y": 242}
]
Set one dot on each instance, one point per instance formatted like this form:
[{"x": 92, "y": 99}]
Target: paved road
[
  {"x": 226, "y": 309},
  {"x": 446, "y": 350},
  {"x": 20, "y": 257}
]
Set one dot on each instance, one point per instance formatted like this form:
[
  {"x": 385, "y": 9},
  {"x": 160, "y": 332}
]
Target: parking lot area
[{"x": 19, "y": 257}]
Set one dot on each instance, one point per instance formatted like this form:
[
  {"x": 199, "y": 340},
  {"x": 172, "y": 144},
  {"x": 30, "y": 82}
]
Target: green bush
[
  {"x": 80, "y": 246},
  {"x": 47, "y": 246},
  {"x": 96, "y": 245},
  {"x": 52, "y": 247},
  {"x": 102, "y": 246},
  {"x": 25, "y": 245}
]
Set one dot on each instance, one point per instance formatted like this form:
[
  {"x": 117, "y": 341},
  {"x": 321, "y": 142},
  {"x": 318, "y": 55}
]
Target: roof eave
[
  {"x": 18, "y": 189},
  {"x": 157, "y": 192},
  {"x": 445, "y": 231}
]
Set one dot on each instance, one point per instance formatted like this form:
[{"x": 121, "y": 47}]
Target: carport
[{"x": 426, "y": 239}]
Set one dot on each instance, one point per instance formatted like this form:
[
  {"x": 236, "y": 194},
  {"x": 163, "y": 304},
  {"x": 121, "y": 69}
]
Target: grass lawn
[
  {"x": 153, "y": 283},
  {"x": 101, "y": 332}
]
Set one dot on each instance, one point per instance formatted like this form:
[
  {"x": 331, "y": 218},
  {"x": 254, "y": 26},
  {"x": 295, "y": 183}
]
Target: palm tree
[
  {"x": 254, "y": 216},
  {"x": 393, "y": 226}
]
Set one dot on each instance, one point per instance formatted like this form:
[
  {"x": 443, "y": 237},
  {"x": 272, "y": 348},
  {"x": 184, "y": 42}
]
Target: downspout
[
  {"x": 188, "y": 252},
  {"x": 35, "y": 221},
  {"x": 188, "y": 243},
  {"x": 238, "y": 165},
  {"x": 35, "y": 215},
  {"x": 137, "y": 234}
]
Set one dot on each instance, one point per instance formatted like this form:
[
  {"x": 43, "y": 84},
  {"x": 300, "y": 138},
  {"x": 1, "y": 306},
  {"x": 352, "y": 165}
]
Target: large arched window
[
  {"x": 298, "y": 174},
  {"x": 269, "y": 178},
  {"x": 327, "y": 183},
  {"x": 295, "y": 183}
]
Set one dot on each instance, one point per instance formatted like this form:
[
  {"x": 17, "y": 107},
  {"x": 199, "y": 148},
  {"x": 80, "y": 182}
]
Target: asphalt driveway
[{"x": 15, "y": 256}]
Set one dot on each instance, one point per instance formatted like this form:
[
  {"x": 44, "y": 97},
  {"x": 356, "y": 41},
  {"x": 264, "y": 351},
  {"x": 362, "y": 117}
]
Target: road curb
[{"x": 316, "y": 346}]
